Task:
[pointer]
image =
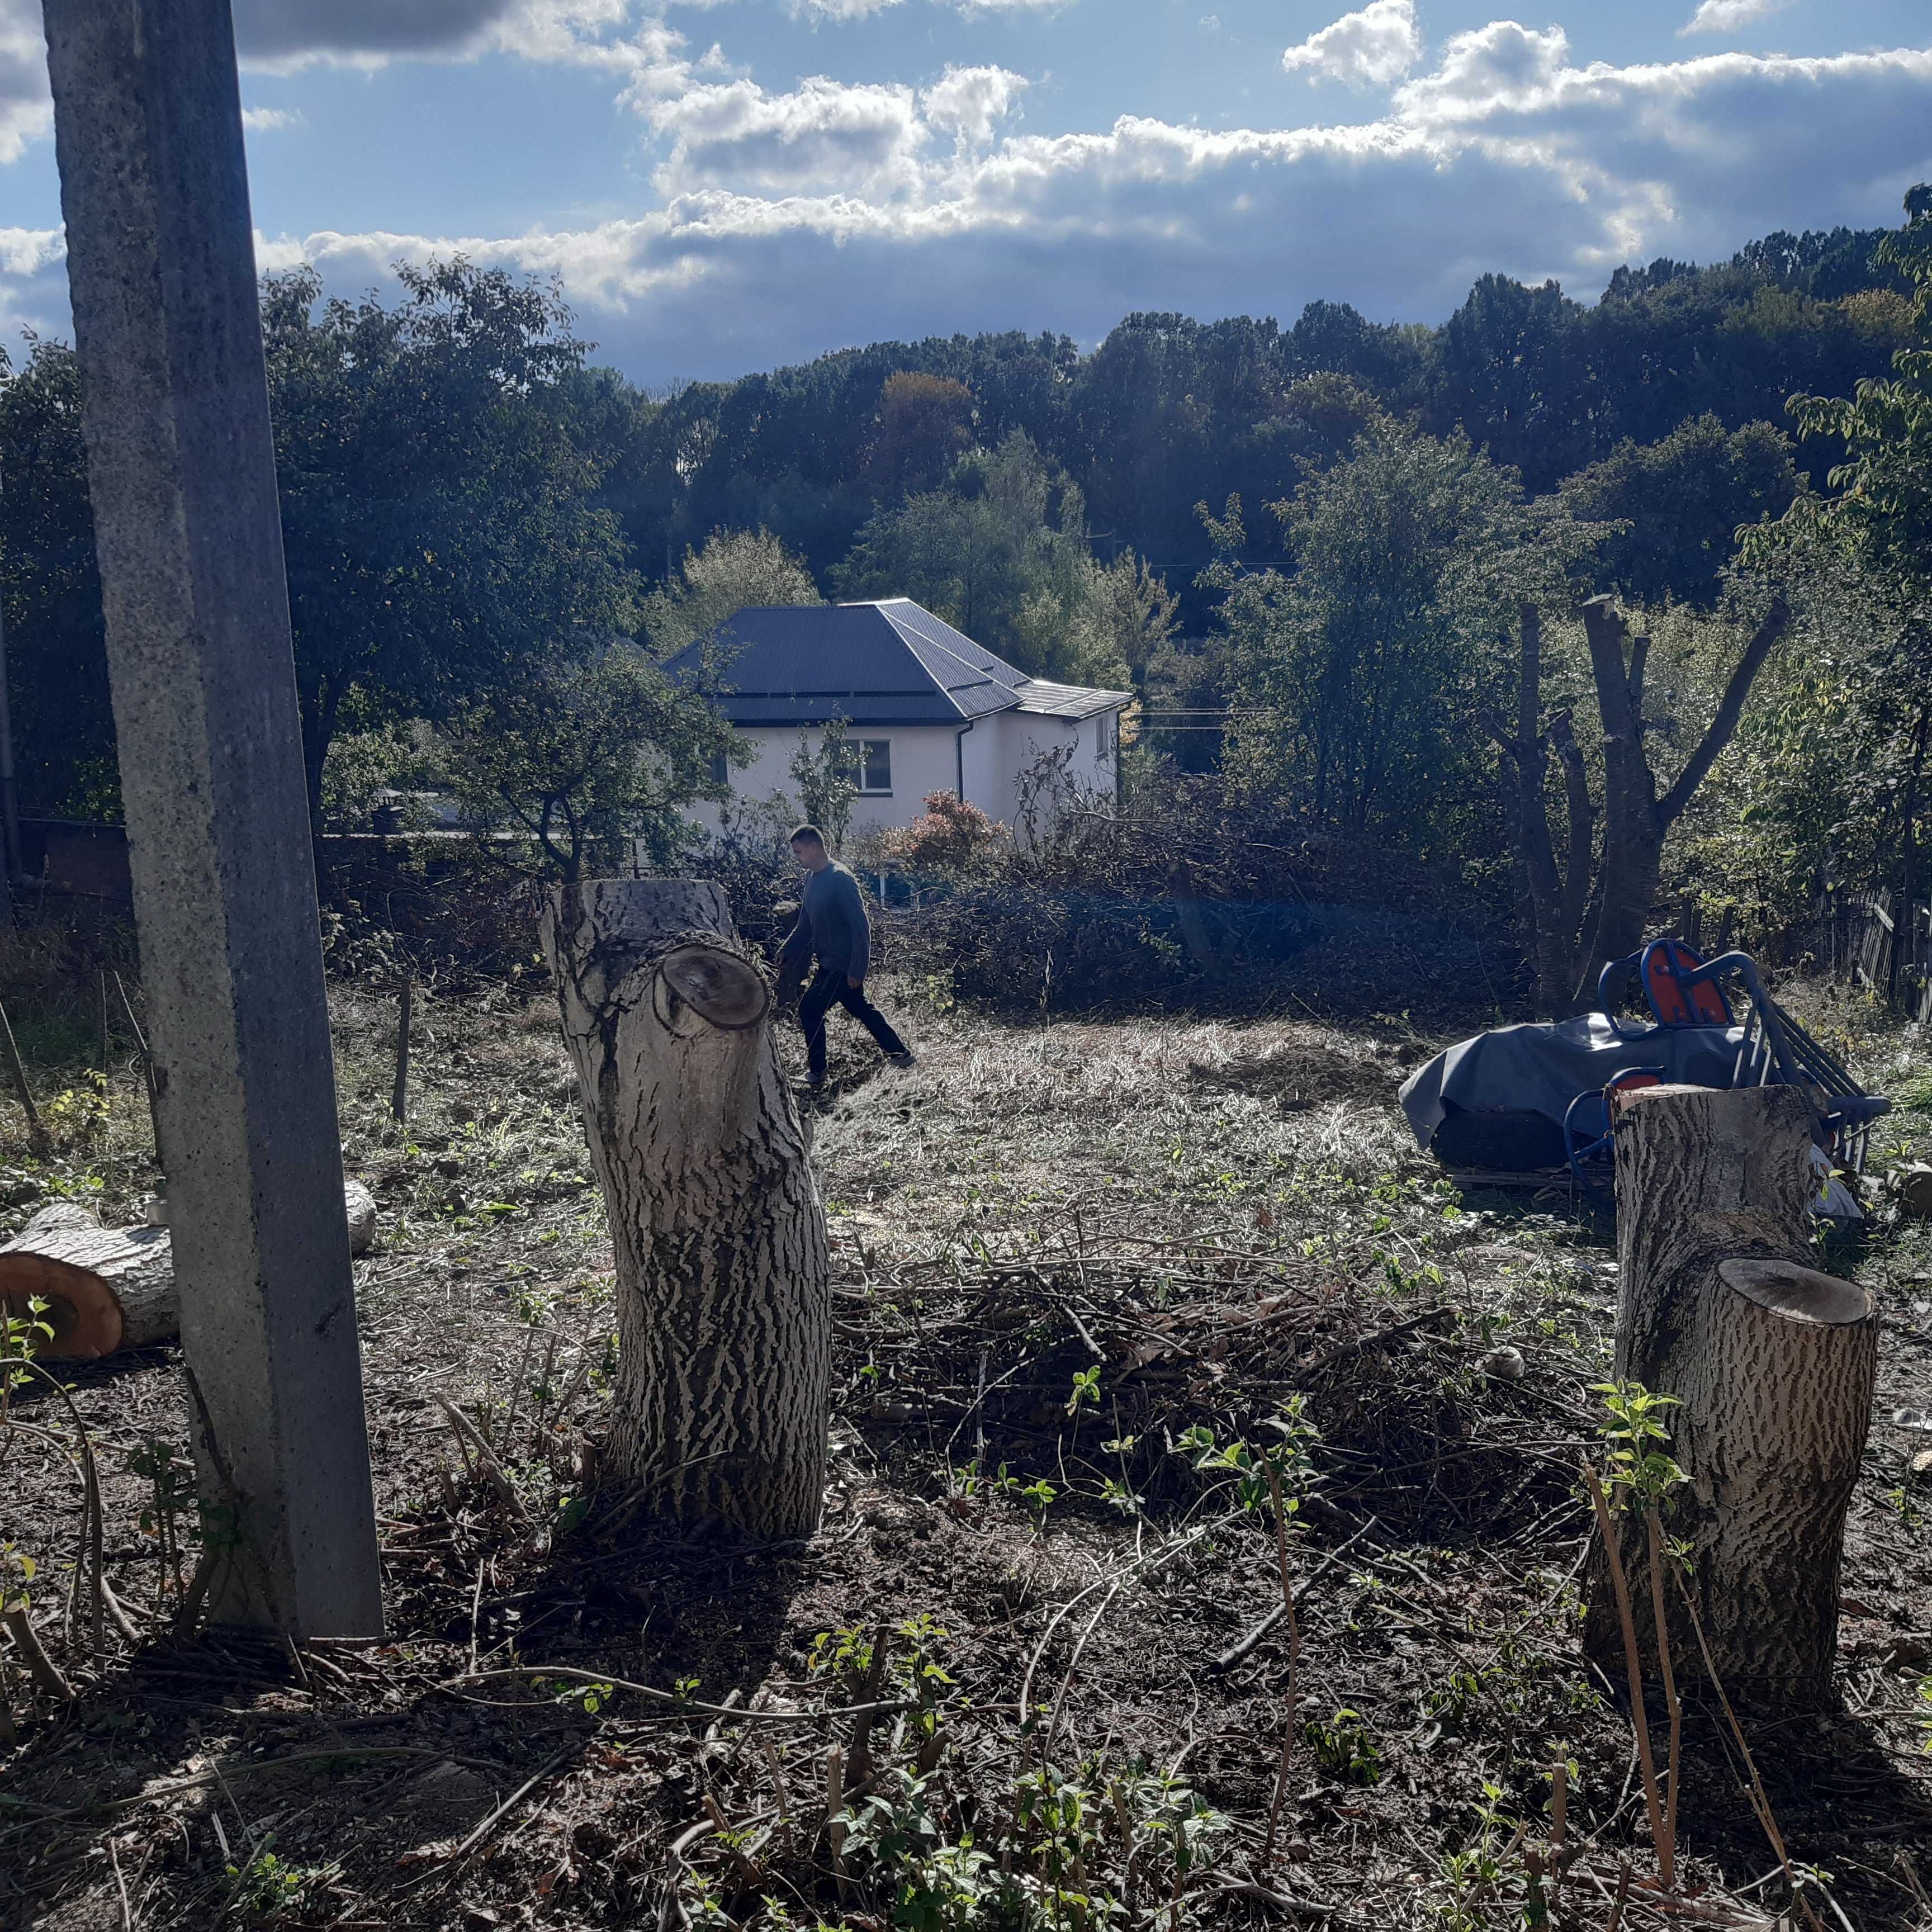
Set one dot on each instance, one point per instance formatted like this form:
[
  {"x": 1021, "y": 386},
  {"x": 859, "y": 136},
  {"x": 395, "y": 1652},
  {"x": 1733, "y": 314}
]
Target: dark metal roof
[{"x": 887, "y": 663}]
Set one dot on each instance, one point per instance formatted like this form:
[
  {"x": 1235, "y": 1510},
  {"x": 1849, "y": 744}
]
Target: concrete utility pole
[{"x": 160, "y": 261}]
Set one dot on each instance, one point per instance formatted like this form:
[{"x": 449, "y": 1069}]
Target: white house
[{"x": 925, "y": 708}]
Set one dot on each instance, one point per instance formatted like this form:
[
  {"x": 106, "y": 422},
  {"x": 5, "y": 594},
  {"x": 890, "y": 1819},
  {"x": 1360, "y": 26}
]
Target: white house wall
[
  {"x": 992, "y": 757},
  {"x": 924, "y": 759}
]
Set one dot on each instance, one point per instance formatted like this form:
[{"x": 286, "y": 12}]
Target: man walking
[{"x": 832, "y": 928}]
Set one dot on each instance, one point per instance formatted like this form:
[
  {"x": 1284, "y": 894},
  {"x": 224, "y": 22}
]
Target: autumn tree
[{"x": 735, "y": 570}]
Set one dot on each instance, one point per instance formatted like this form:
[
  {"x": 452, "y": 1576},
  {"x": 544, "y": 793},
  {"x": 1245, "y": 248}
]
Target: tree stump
[
  {"x": 724, "y": 1295},
  {"x": 1772, "y": 1363}
]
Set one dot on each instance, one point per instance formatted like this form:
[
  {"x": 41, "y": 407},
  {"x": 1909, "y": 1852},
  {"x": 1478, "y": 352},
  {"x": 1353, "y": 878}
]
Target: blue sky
[{"x": 724, "y": 186}]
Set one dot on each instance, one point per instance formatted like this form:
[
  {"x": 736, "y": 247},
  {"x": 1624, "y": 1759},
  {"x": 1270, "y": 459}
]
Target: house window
[
  {"x": 720, "y": 769},
  {"x": 872, "y": 765},
  {"x": 1106, "y": 737}
]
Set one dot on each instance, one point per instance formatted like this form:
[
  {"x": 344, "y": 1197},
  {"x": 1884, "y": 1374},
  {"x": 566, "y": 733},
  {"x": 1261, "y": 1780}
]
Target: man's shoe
[{"x": 905, "y": 1057}]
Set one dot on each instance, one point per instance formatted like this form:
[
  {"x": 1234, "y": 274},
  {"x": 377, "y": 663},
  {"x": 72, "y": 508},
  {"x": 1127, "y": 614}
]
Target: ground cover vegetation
[{"x": 1203, "y": 1546}]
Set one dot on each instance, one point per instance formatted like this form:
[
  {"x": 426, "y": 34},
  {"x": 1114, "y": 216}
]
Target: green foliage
[
  {"x": 1344, "y": 1747},
  {"x": 1884, "y": 507},
  {"x": 50, "y": 591},
  {"x": 1641, "y": 1474},
  {"x": 267, "y": 1885},
  {"x": 1472, "y": 1876},
  {"x": 1283, "y": 1471},
  {"x": 1681, "y": 501},
  {"x": 586, "y": 749},
  {"x": 1361, "y": 681},
  {"x": 735, "y": 570},
  {"x": 438, "y": 481},
  {"x": 1001, "y": 552},
  {"x": 823, "y": 774},
  {"x": 171, "y": 1502},
  {"x": 17, "y": 1570}
]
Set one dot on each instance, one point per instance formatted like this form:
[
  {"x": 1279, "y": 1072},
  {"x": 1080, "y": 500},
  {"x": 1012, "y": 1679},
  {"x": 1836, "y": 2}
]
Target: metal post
[{"x": 160, "y": 264}]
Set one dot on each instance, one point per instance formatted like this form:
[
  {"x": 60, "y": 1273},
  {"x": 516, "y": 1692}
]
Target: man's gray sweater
[{"x": 831, "y": 925}]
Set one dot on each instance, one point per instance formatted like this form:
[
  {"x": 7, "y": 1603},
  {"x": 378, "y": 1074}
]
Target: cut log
[
  {"x": 105, "y": 1288},
  {"x": 110, "y": 1289},
  {"x": 1772, "y": 1364},
  {"x": 362, "y": 1206},
  {"x": 724, "y": 1295}
]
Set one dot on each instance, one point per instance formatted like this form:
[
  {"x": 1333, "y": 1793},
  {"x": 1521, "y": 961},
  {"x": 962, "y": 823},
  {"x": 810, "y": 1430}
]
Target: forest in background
[{"x": 1309, "y": 549}]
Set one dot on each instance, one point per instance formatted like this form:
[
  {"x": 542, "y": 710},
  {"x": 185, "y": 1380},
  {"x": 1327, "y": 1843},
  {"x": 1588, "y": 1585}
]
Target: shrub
[{"x": 952, "y": 836}]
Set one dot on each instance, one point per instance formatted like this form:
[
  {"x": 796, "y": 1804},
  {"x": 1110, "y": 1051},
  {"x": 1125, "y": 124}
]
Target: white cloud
[
  {"x": 1372, "y": 49},
  {"x": 260, "y": 119},
  {"x": 26, "y": 109},
  {"x": 823, "y": 137},
  {"x": 787, "y": 222},
  {"x": 969, "y": 102},
  {"x": 840, "y": 10},
  {"x": 1499, "y": 69},
  {"x": 1726, "y": 16}
]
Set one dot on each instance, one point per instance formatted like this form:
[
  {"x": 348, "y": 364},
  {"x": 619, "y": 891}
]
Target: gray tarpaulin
[{"x": 1540, "y": 1068}]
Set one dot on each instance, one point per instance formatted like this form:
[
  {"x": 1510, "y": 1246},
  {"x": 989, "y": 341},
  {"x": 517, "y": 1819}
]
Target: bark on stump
[
  {"x": 1772, "y": 1364},
  {"x": 724, "y": 1295},
  {"x": 111, "y": 1289}
]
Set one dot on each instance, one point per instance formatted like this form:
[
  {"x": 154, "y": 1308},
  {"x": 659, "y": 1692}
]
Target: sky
[{"x": 724, "y": 185}]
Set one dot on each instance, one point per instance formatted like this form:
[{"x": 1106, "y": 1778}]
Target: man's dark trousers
[{"x": 829, "y": 989}]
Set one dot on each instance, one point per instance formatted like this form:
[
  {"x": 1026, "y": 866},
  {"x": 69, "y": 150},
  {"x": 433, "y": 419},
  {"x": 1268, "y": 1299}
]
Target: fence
[{"x": 1887, "y": 952}]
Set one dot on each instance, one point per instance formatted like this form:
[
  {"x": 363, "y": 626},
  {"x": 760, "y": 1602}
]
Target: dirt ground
[{"x": 577, "y": 1719}]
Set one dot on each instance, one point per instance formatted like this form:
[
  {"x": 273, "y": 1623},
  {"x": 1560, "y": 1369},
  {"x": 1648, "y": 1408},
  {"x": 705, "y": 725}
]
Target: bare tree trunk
[
  {"x": 1556, "y": 899},
  {"x": 724, "y": 1299},
  {"x": 1772, "y": 1364},
  {"x": 1636, "y": 821},
  {"x": 1633, "y": 839}
]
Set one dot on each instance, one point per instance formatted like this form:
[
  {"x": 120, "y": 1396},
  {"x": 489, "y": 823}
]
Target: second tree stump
[{"x": 1772, "y": 1364}]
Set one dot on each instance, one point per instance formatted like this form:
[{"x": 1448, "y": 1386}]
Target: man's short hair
[{"x": 807, "y": 834}]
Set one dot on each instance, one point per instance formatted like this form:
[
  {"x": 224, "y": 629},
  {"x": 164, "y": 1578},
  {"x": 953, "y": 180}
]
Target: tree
[
  {"x": 823, "y": 775},
  {"x": 1002, "y": 553},
  {"x": 1681, "y": 502},
  {"x": 1511, "y": 371},
  {"x": 437, "y": 505},
  {"x": 50, "y": 591},
  {"x": 736, "y": 570},
  {"x": 587, "y": 750},
  {"x": 1581, "y": 918},
  {"x": 1360, "y": 681},
  {"x": 1884, "y": 507},
  {"x": 925, "y": 425}
]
